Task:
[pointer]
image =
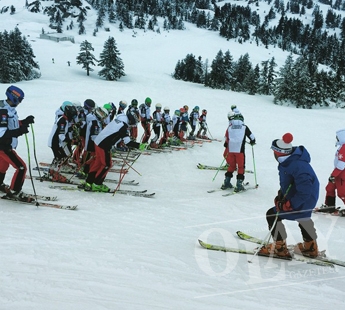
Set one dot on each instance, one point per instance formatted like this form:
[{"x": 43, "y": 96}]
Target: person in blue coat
[{"x": 297, "y": 197}]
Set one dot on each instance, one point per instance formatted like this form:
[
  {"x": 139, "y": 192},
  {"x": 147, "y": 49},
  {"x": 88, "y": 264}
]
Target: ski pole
[
  {"x": 29, "y": 162},
  {"x": 122, "y": 175},
  {"x": 208, "y": 129},
  {"x": 34, "y": 147},
  {"x": 256, "y": 182},
  {"x": 219, "y": 168},
  {"x": 268, "y": 237}
]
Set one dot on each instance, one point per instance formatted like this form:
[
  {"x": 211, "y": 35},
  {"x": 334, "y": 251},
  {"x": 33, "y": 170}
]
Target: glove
[
  {"x": 331, "y": 179},
  {"x": 282, "y": 205},
  {"x": 225, "y": 144},
  {"x": 252, "y": 142},
  {"x": 29, "y": 120},
  {"x": 142, "y": 146}
]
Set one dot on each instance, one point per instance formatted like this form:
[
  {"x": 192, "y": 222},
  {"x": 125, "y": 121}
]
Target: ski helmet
[
  {"x": 158, "y": 106},
  {"x": 123, "y": 104},
  {"x": 166, "y": 109},
  {"x": 148, "y": 101},
  {"x": 134, "y": 103},
  {"x": 231, "y": 115},
  {"x": 89, "y": 104},
  {"x": 65, "y": 104},
  {"x": 186, "y": 107},
  {"x": 182, "y": 110},
  {"x": 177, "y": 112},
  {"x": 204, "y": 111},
  {"x": 70, "y": 111},
  {"x": 76, "y": 103},
  {"x": 233, "y": 107},
  {"x": 101, "y": 113},
  {"x": 196, "y": 108},
  {"x": 15, "y": 95},
  {"x": 108, "y": 107}
]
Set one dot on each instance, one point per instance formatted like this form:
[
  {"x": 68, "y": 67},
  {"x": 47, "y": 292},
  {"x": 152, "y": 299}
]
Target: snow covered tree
[
  {"x": 217, "y": 77},
  {"x": 16, "y": 58},
  {"x": 85, "y": 57},
  {"x": 284, "y": 83},
  {"x": 113, "y": 67}
]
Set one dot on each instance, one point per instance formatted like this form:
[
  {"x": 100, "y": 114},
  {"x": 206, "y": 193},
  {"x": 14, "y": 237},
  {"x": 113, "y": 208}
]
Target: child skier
[
  {"x": 133, "y": 119},
  {"x": 203, "y": 126},
  {"x": 145, "y": 115},
  {"x": 10, "y": 129},
  {"x": 193, "y": 121},
  {"x": 297, "y": 197},
  {"x": 336, "y": 181},
  {"x": 235, "y": 139},
  {"x": 156, "y": 126}
]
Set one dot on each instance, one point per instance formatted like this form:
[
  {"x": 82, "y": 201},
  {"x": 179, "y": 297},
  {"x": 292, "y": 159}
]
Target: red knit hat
[{"x": 283, "y": 146}]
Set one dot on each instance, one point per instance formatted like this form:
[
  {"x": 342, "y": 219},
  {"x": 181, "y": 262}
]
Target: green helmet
[
  {"x": 148, "y": 100},
  {"x": 108, "y": 107}
]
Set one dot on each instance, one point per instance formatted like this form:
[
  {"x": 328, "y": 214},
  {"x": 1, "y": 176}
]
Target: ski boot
[
  {"x": 239, "y": 186},
  {"x": 100, "y": 188},
  {"x": 227, "y": 183},
  {"x": 278, "y": 248},
  {"x": 307, "y": 248}
]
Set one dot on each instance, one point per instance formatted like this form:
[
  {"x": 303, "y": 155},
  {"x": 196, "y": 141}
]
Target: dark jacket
[{"x": 304, "y": 192}]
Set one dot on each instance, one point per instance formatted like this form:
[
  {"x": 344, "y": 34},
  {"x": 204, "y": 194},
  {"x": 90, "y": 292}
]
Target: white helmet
[
  {"x": 231, "y": 115},
  {"x": 158, "y": 106},
  {"x": 101, "y": 113}
]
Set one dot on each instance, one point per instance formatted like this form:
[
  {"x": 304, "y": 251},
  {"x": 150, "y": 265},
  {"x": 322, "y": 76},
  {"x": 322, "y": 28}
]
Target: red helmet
[{"x": 182, "y": 110}]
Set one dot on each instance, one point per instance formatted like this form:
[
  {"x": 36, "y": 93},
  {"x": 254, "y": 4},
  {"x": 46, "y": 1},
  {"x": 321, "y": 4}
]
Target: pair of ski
[
  {"x": 142, "y": 193},
  {"x": 337, "y": 212},
  {"x": 32, "y": 199},
  {"x": 321, "y": 260},
  {"x": 225, "y": 167},
  {"x": 233, "y": 190},
  {"x": 46, "y": 177},
  {"x": 46, "y": 167}
]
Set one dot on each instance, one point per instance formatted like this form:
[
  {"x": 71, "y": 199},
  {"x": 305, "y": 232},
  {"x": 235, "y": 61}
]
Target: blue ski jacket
[{"x": 304, "y": 191}]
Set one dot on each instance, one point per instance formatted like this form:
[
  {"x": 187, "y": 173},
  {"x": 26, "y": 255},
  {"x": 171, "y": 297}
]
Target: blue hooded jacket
[{"x": 304, "y": 191}]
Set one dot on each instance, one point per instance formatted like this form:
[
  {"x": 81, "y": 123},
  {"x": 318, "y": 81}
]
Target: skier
[
  {"x": 166, "y": 126},
  {"x": 111, "y": 108},
  {"x": 133, "y": 119},
  {"x": 145, "y": 115},
  {"x": 193, "y": 120},
  {"x": 156, "y": 126},
  {"x": 297, "y": 197},
  {"x": 102, "y": 162},
  {"x": 176, "y": 119},
  {"x": 10, "y": 129},
  {"x": 336, "y": 181},
  {"x": 203, "y": 126},
  {"x": 184, "y": 123},
  {"x": 122, "y": 107},
  {"x": 234, "y": 153},
  {"x": 60, "y": 137},
  {"x": 94, "y": 127}
]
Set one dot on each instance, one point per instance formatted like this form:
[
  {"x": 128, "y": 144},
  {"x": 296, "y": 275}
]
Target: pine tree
[
  {"x": 284, "y": 83},
  {"x": 85, "y": 57},
  {"x": 16, "y": 58},
  {"x": 113, "y": 67},
  {"x": 242, "y": 66},
  {"x": 217, "y": 77}
]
